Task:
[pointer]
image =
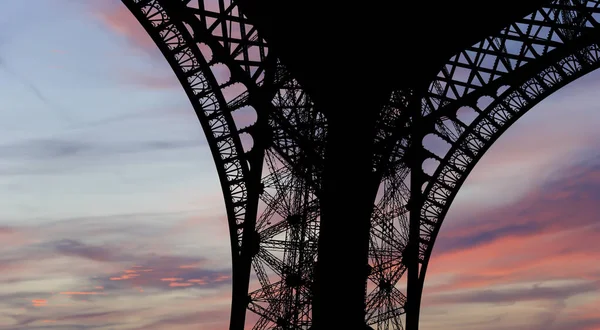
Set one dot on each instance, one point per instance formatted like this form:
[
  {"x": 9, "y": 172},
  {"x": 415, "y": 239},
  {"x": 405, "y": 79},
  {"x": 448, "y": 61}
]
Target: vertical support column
[
  {"x": 241, "y": 263},
  {"x": 411, "y": 254},
  {"x": 240, "y": 285},
  {"x": 250, "y": 240},
  {"x": 348, "y": 193}
]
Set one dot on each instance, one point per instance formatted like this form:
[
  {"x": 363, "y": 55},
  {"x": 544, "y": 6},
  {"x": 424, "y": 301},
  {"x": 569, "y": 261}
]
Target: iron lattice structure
[{"x": 271, "y": 167}]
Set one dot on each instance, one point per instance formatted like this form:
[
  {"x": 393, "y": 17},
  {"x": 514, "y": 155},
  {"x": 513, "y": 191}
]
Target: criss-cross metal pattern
[
  {"x": 271, "y": 170},
  {"x": 389, "y": 234},
  {"x": 271, "y": 190},
  {"x": 270, "y": 187},
  {"x": 476, "y": 96},
  {"x": 487, "y": 87}
]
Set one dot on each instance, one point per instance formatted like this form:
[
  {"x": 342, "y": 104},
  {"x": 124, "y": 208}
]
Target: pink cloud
[
  {"x": 197, "y": 281},
  {"x": 123, "y": 24},
  {"x": 190, "y": 266},
  {"x": 222, "y": 278},
  {"x": 155, "y": 81},
  {"x": 161, "y": 269},
  {"x": 540, "y": 251},
  {"x": 526, "y": 155},
  {"x": 217, "y": 224},
  {"x": 80, "y": 293},
  {"x": 12, "y": 237},
  {"x": 118, "y": 19},
  {"x": 124, "y": 277}
]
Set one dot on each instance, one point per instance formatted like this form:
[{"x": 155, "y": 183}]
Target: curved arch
[
  {"x": 268, "y": 188},
  {"x": 282, "y": 145},
  {"x": 492, "y": 122},
  {"x": 288, "y": 142},
  {"x": 510, "y": 57},
  {"x": 534, "y": 56},
  {"x": 515, "y": 53},
  {"x": 198, "y": 82},
  {"x": 520, "y": 51}
]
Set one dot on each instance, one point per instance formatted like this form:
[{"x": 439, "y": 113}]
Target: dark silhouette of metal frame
[{"x": 272, "y": 189}]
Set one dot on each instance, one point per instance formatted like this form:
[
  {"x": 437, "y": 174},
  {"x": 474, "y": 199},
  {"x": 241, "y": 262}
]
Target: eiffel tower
[{"x": 333, "y": 198}]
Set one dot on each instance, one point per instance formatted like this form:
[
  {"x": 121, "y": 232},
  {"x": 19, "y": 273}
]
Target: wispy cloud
[
  {"x": 63, "y": 114},
  {"x": 525, "y": 255},
  {"x": 86, "y": 277},
  {"x": 119, "y": 19},
  {"x": 52, "y": 148}
]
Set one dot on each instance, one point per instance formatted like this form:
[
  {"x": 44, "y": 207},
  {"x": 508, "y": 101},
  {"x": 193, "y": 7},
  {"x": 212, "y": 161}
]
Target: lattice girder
[
  {"x": 516, "y": 68},
  {"x": 534, "y": 56},
  {"x": 493, "y": 120},
  {"x": 564, "y": 52},
  {"x": 295, "y": 132},
  {"x": 500, "y": 60},
  {"x": 511, "y": 54},
  {"x": 209, "y": 104},
  {"x": 193, "y": 35}
]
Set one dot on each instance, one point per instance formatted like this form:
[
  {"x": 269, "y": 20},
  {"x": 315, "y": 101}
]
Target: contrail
[{"x": 36, "y": 91}]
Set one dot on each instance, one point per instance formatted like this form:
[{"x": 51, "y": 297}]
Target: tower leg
[
  {"x": 411, "y": 255},
  {"x": 416, "y": 157},
  {"x": 348, "y": 193},
  {"x": 239, "y": 300}
]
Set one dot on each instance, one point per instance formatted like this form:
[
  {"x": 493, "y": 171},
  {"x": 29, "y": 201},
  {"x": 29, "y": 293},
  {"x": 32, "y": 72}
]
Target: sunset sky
[{"x": 111, "y": 214}]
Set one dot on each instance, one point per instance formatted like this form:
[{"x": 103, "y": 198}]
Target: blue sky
[{"x": 111, "y": 215}]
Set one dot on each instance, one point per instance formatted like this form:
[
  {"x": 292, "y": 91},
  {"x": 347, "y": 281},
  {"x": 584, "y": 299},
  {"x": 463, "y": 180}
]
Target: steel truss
[
  {"x": 524, "y": 64},
  {"x": 475, "y": 98},
  {"x": 272, "y": 189},
  {"x": 271, "y": 206}
]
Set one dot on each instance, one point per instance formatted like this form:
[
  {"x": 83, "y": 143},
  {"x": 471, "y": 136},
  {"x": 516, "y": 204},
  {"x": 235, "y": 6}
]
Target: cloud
[
  {"x": 50, "y": 149},
  {"x": 37, "y": 92},
  {"x": 212, "y": 319},
  {"x": 536, "y": 257},
  {"x": 70, "y": 247},
  {"x": 126, "y": 269},
  {"x": 75, "y": 318},
  {"x": 543, "y": 210},
  {"x": 511, "y": 296},
  {"x": 13, "y": 237},
  {"x": 153, "y": 81},
  {"x": 80, "y": 293},
  {"x": 557, "y": 133},
  {"x": 61, "y": 156},
  {"x": 119, "y": 19},
  {"x": 165, "y": 273}
]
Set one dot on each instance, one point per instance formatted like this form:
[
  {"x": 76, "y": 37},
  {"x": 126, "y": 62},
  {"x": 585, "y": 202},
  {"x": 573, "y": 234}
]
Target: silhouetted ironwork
[{"x": 273, "y": 170}]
